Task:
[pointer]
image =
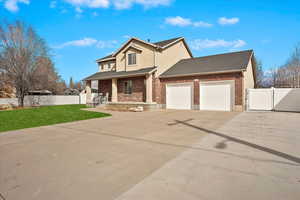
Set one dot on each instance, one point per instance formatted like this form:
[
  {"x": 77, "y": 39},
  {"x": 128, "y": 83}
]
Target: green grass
[{"x": 48, "y": 115}]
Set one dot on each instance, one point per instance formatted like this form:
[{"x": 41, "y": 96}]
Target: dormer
[{"x": 107, "y": 63}]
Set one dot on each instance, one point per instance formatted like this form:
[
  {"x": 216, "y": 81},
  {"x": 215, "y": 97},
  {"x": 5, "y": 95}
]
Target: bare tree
[
  {"x": 259, "y": 73},
  {"x": 78, "y": 86},
  {"x": 20, "y": 49},
  {"x": 71, "y": 83},
  {"x": 288, "y": 75},
  {"x": 46, "y": 77}
]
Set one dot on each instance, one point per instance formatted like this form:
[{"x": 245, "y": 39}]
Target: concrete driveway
[{"x": 155, "y": 155}]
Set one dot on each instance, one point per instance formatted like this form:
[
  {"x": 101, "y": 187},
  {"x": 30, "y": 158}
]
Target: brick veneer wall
[
  {"x": 160, "y": 86},
  {"x": 138, "y": 90},
  {"x": 104, "y": 86}
]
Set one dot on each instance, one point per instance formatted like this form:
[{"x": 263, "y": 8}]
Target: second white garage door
[
  {"x": 179, "y": 96},
  {"x": 217, "y": 95}
]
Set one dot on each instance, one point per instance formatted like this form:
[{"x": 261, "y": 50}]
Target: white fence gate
[{"x": 276, "y": 99}]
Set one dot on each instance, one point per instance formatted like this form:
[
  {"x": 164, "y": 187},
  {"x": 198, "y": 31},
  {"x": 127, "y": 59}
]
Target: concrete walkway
[
  {"x": 155, "y": 155},
  {"x": 253, "y": 156}
]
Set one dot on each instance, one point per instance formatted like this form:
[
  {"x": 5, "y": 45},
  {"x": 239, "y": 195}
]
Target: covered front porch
[{"x": 134, "y": 88}]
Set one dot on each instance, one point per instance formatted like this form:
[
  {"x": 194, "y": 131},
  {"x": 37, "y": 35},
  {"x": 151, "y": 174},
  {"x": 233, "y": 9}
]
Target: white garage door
[
  {"x": 179, "y": 96},
  {"x": 217, "y": 95}
]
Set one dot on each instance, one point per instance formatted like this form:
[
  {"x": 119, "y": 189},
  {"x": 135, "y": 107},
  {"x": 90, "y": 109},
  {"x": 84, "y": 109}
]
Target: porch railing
[{"x": 100, "y": 99}]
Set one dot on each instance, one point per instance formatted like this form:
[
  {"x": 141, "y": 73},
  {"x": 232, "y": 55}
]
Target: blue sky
[{"x": 80, "y": 31}]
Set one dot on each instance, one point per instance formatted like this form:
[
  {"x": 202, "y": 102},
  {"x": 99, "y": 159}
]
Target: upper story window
[{"x": 132, "y": 59}]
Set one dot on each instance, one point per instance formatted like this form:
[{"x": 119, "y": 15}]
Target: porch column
[
  {"x": 149, "y": 88},
  {"x": 114, "y": 90},
  {"x": 88, "y": 89}
]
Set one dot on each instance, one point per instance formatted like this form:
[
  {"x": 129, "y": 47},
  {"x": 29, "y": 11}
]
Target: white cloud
[
  {"x": 78, "y": 43},
  {"x": 88, "y": 42},
  {"x": 125, "y": 4},
  {"x": 106, "y": 44},
  {"x": 180, "y": 21},
  {"x": 127, "y": 36},
  {"x": 228, "y": 21},
  {"x": 53, "y": 4},
  {"x": 78, "y": 10},
  {"x": 200, "y": 44},
  {"x": 95, "y": 14},
  {"x": 118, "y": 4},
  {"x": 202, "y": 24},
  {"x": 12, "y": 5},
  {"x": 89, "y": 3}
]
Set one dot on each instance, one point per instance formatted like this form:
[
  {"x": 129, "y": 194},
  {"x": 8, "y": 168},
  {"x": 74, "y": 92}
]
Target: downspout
[
  {"x": 154, "y": 57},
  {"x": 125, "y": 62}
]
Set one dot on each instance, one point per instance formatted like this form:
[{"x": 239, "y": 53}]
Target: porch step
[{"x": 133, "y": 107}]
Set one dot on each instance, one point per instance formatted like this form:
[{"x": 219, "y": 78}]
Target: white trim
[
  {"x": 170, "y": 44},
  {"x": 131, "y": 46},
  {"x": 205, "y": 73},
  {"x": 232, "y": 91},
  {"x": 106, "y": 59},
  {"x": 132, "y": 64},
  {"x": 124, "y": 76},
  {"x": 190, "y": 83},
  {"x": 185, "y": 44},
  {"x": 128, "y": 41}
]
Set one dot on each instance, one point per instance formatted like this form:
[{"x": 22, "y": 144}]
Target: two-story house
[{"x": 166, "y": 75}]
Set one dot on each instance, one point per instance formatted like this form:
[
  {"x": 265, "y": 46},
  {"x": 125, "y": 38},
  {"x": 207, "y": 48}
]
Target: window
[
  {"x": 128, "y": 87},
  {"x": 132, "y": 59}
]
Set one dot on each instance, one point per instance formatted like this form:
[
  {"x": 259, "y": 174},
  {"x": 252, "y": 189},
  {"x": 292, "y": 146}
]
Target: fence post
[
  {"x": 247, "y": 99},
  {"x": 273, "y": 103}
]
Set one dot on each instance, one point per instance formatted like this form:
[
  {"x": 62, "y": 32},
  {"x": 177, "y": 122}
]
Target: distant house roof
[
  {"x": 235, "y": 61},
  {"x": 71, "y": 91},
  {"x": 160, "y": 44},
  {"x": 120, "y": 74},
  {"x": 40, "y": 92}
]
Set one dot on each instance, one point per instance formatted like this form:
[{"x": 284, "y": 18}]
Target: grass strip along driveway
[{"x": 48, "y": 115}]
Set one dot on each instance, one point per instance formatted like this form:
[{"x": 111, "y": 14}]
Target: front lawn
[{"x": 48, "y": 115}]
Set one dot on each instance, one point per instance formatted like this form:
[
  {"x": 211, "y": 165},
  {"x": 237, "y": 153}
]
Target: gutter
[
  {"x": 205, "y": 73},
  {"x": 123, "y": 76},
  {"x": 106, "y": 59}
]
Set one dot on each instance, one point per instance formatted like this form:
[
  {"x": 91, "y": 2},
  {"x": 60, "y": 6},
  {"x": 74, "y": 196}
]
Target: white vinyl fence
[
  {"x": 48, "y": 100},
  {"x": 83, "y": 97},
  {"x": 276, "y": 99}
]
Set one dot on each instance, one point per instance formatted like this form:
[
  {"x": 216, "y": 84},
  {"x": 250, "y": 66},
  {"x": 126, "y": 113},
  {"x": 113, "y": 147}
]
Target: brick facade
[
  {"x": 104, "y": 86},
  {"x": 138, "y": 90},
  {"x": 160, "y": 86}
]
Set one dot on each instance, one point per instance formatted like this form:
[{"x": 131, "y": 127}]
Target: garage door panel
[
  {"x": 216, "y": 96},
  {"x": 179, "y": 96}
]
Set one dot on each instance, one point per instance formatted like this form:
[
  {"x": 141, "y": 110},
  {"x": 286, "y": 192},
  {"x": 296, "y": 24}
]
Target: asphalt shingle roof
[
  {"x": 120, "y": 74},
  {"x": 105, "y": 57},
  {"x": 166, "y": 42},
  {"x": 160, "y": 44},
  {"x": 235, "y": 61}
]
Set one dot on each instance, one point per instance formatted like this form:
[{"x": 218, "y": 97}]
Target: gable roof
[
  {"x": 160, "y": 44},
  {"x": 164, "y": 43},
  {"x": 108, "y": 57},
  {"x": 220, "y": 63}
]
